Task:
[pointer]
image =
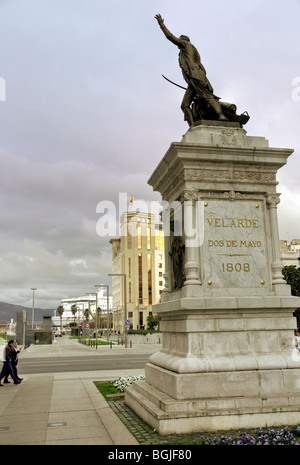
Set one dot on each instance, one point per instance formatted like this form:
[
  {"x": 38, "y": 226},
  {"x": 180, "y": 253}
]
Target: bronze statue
[
  {"x": 199, "y": 93},
  {"x": 177, "y": 254}
]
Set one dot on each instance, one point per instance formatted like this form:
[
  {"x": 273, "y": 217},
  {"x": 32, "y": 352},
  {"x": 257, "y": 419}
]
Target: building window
[
  {"x": 129, "y": 291},
  {"x": 159, "y": 240},
  {"x": 141, "y": 320},
  {"x": 129, "y": 267},
  {"x": 129, "y": 240},
  {"x": 149, "y": 278},
  {"x": 139, "y": 236},
  {"x": 140, "y": 274},
  {"x": 148, "y": 238}
]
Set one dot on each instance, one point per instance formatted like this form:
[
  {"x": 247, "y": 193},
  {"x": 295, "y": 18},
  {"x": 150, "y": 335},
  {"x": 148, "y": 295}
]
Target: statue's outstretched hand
[{"x": 159, "y": 19}]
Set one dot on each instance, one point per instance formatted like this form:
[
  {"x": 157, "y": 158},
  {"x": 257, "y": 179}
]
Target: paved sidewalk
[{"x": 63, "y": 408}]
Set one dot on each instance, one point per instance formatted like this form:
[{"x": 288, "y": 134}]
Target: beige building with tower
[{"x": 138, "y": 253}]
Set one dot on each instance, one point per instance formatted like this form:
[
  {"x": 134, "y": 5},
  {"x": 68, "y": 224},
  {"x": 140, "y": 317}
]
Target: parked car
[{"x": 58, "y": 334}]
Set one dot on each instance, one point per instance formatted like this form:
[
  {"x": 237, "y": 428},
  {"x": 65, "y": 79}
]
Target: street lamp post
[
  {"x": 32, "y": 313},
  {"x": 125, "y": 303},
  {"x": 89, "y": 321},
  {"x": 83, "y": 314},
  {"x": 95, "y": 293},
  {"x": 107, "y": 310}
]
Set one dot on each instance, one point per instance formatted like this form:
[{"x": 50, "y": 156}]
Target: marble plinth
[{"x": 227, "y": 357}]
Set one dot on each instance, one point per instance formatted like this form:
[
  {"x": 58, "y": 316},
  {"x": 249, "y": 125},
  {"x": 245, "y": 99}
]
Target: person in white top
[
  {"x": 297, "y": 339},
  {"x": 7, "y": 367}
]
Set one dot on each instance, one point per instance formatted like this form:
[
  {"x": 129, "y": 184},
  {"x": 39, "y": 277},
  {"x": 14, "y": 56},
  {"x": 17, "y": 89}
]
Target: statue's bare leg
[
  {"x": 217, "y": 108},
  {"x": 185, "y": 105}
]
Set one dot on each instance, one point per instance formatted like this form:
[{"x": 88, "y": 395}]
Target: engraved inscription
[{"x": 234, "y": 244}]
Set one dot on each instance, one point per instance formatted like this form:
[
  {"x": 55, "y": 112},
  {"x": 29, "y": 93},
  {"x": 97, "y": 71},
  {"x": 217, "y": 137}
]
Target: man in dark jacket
[
  {"x": 14, "y": 361},
  {"x": 7, "y": 367}
]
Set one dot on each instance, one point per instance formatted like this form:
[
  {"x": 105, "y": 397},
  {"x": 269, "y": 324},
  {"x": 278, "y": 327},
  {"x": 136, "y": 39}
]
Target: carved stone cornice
[
  {"x": 176, "y": 181},
  {"x": 190, "y": 195},
  {"x": 232, "y": 195},
  {"x": 272, "y": 200},
  {"x": 201, "y": 174}
]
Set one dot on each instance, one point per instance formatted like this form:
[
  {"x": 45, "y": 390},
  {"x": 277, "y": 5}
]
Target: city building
[
  {"x": 82, "y": 303},
  {"x": 290, "y": 252},
  {"x": 138, "y": 254}
]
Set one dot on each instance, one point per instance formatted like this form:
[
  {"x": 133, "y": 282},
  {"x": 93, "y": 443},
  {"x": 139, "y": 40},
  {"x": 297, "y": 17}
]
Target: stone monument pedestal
[{"x": 227, "y": 323}]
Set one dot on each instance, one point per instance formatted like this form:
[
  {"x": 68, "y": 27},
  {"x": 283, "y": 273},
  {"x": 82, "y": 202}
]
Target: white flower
[{"x": 125, "y": 381}]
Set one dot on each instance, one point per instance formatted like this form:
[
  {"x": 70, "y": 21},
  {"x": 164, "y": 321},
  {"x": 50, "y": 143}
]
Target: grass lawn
[
  {"x": 85, "y": 340},
  {"x": 107, "y": 388}
]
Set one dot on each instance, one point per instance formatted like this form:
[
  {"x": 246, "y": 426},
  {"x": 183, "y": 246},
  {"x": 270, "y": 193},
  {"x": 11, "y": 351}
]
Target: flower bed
[
  {"x": 269, "y": 437},
  {"x": 260, "y": 437},
  {"x": 126, "y": 381}
]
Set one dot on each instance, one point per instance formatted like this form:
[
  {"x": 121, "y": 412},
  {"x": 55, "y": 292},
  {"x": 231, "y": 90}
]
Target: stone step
[
  {"x": 158, "y": 398},
  {"x": 163, "y": 404}
]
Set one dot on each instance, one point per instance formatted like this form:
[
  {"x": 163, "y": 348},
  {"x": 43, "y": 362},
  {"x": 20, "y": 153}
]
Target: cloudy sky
[{"x": 85, "y": 115}]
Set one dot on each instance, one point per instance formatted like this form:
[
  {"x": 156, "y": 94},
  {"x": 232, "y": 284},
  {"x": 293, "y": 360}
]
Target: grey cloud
[{"x": 88, "y": 115}]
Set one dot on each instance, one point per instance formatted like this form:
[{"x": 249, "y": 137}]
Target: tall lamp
[
  {"x": 32, "y": 312},
  {"x": 95, "y": 293},
  {"x": 125, "y": 303},
  {"x": 107, "y": 311}
]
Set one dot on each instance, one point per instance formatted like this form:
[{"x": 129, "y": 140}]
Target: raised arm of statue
[{"x": 175, "y": 40}]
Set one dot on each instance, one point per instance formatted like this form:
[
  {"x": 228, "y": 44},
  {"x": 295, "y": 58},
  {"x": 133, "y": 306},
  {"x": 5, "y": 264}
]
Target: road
[
  {"x": 65, "y": 355},
  {"x": 82, "y": 363}
]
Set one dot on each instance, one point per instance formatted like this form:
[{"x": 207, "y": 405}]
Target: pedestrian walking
[
  {"x": 14, "y": 361},
  {"x": 7, "y": 367}
]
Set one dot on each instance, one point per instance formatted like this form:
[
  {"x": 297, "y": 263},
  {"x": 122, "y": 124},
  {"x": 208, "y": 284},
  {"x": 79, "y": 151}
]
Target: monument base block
[
  {"x": 168, "y": 415},
  {"x": 221, "y": 369},
  {"x": 226, "y": 312}
]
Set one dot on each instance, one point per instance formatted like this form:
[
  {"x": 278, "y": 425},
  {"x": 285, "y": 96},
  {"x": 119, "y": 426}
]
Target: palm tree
[
  {"x": 60, "y": 310},
  {"x": 86, "y": 314},
  {"x": 98, "y": 316},
  {"x": 74, "y": 311}
]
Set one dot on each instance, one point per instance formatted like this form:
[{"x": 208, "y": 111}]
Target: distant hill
[{"x": 9, "y": 311}]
